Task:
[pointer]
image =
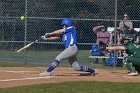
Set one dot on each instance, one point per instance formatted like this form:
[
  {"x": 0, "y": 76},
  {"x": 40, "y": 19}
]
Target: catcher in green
[{"x": 132, "y": 61}]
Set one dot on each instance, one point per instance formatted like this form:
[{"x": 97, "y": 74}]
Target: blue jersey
[{"x": 69, "y": 37}]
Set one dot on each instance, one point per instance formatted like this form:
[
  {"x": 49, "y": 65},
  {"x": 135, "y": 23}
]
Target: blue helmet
[{"x": 67, "y": 21}]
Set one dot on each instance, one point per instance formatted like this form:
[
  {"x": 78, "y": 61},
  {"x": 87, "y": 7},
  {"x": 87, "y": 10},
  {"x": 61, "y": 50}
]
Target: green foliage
[{"x": 74, "y": 8}]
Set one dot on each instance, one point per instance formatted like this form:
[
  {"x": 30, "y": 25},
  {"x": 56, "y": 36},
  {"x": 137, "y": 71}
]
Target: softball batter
[
  {"x": 132, "y": 62},
  {"x": 68, "y": 35}
]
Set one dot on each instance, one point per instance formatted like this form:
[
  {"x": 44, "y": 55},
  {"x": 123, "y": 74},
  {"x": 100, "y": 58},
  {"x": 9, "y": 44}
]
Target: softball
[{"x": 22, "y": 18}]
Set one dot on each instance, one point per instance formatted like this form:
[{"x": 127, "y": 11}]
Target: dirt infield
[{"x": 20, "y": 76}]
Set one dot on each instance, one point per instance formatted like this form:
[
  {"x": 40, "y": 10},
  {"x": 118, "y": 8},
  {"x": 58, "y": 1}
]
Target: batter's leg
[
  {"x": 67, "y": 53},
  {"x": 75, "y": 65}
]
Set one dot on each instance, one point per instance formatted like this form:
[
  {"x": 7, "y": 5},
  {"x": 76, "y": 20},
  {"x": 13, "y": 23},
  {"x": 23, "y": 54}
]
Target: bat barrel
[{"x": 28, "y": 45}]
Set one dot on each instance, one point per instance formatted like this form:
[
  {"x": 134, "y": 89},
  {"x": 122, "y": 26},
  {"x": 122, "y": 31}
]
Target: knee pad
[
  {"x": 125, "y": 62},
  {"x": 58, "y": 58},
  {"x": 125, "y": 59},
  {"x": 75, "y": 66}
]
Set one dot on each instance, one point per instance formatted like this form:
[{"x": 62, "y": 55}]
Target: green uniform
[{"x": 133, "y": 59}]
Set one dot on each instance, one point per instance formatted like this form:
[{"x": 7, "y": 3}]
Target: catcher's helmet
[
  {"x": 126, "y": 38},
  {"x": 67, "y": 21}
]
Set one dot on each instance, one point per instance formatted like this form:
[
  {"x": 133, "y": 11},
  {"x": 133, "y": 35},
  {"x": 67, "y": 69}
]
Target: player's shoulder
[
  {"x": 70, "y": 27},
  {"x": 137, "y": 46}
]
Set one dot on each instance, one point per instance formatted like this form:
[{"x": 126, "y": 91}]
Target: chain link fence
[{"x": 43, "y": 16}]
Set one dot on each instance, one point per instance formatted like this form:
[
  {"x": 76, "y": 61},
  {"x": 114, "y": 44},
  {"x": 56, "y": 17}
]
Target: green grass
[
  {"x": 21, "y": 65},
  {"x": 29, "y": 54},
  {"x": 46, "y": 55},
  {"x": 77, "y": 87},
  {"x": 42, "y": 55},
  {"x": 42, "y": 65}
]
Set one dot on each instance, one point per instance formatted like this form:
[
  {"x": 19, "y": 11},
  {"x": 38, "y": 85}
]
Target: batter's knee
[
  {"x": 58, "y": 58},
  {"x": 125, "y": 59},
  {"x": 76, "y": 66}
]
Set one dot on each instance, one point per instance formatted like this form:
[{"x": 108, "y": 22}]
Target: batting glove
[
  {"x": 47, "y": 34},
  {"x": 43, "y": 37}
]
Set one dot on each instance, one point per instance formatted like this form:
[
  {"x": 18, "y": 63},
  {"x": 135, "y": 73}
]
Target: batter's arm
[
  {"x": 53, "y": 38},
  {"x": 58, "y": 32},
  {"x": 50, "y": 38}
]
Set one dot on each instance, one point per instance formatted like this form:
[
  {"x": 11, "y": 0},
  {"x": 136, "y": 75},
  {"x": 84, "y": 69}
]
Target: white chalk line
[
  {"x": 17, "y": 71},
  {"x": 27, "y": 78},
  {"x": 30, "y": 78}
]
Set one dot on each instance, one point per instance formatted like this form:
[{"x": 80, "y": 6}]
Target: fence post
[
  {"x": 25, "y": 29},
  {"x": 116, "y": 3}
]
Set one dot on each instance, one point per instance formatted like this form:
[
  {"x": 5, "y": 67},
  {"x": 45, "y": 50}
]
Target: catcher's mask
[{"x": 130, "y": 39}]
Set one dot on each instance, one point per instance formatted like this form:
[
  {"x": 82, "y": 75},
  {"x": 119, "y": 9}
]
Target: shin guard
[{"x": 131, "y": 68}]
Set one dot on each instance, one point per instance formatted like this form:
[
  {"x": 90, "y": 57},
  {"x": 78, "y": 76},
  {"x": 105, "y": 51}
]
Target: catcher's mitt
[{"x": 102, "y": 46}]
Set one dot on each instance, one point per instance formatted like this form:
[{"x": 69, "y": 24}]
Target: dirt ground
[{"x": 21, "y": 76}]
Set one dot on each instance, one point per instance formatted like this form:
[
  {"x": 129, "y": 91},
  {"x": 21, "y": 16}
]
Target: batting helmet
[{"x": 67, "y": 21}]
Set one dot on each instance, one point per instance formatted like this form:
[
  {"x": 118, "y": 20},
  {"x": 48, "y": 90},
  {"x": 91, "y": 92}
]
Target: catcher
[
  {"x": 68, "y": 36},
  {"x": 132, "y": 61}
]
